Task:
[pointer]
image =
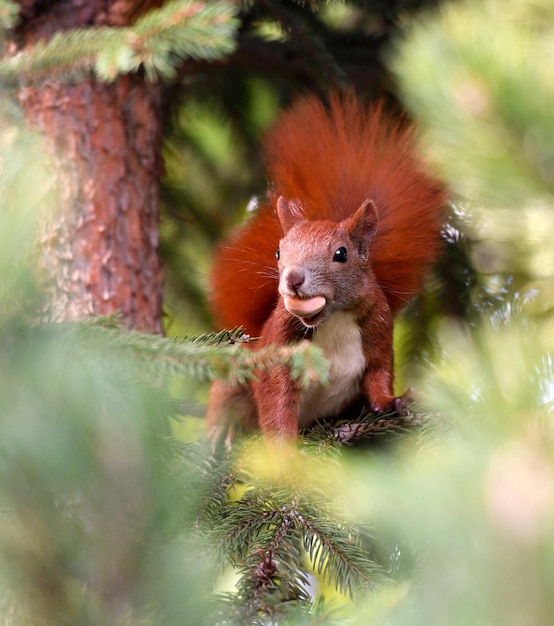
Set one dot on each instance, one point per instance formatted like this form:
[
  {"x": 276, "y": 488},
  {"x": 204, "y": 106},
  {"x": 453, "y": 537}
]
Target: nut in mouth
[{"x": 305, "y": 308}]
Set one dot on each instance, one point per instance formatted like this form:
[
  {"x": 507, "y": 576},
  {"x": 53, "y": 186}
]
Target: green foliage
[
  {"x": 20, "y": 159},
  {"x": 213, "y": 170},
  {"x": 495, "y": 85},
  {"x": 274, "y": 531},
  {"x": 157, "y": 42},
  {"x": 108, "y": 519},
  {"x": 472, "y": 497},
  {"x": 8, "y": 13},
  {"x": 203, "y": 357},
  {"x": 485, "y": 113},
  {"x": 266, "y": 533},
  {"x": 89, "y": 496}
]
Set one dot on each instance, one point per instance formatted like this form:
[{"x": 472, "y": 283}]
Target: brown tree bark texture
[{"x": 101, "y": 245}]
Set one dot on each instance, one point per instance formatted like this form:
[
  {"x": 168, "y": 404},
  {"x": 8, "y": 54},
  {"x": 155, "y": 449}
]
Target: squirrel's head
[{"x": 324, "y": 265}]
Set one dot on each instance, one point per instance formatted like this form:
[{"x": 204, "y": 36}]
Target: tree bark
[{"x": 101, "y": 244}]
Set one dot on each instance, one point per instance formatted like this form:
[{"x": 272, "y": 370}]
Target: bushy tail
[{"x": 328, "y": 160}]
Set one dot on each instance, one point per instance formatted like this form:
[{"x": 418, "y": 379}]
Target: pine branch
[
  {"x": 265, "y": 533},
  {"x": 115, "y": 321},
  {"x": 337, "y": 554},
  {"x": 198, "y": 30},
  {"x": 157, "y": 42},
  {"x": 211, "y": 493},
  {"x": 332, "y": 434},
  {"x": 237, "y": 335},
  {"x": 205, "y": 358}
]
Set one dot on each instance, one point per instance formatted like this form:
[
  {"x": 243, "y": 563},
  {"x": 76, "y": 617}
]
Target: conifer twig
[
  {"x": 202, "y": 357},
  {"x": 156, "y": 42}
]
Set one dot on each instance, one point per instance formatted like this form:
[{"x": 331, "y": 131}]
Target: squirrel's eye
[
  {"x": 278, "y": 254},
  {"x": 341, "y": 255}
]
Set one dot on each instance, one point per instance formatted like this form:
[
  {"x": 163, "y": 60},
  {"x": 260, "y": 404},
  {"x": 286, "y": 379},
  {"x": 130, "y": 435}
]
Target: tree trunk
[{"x": 101, "y": 245}]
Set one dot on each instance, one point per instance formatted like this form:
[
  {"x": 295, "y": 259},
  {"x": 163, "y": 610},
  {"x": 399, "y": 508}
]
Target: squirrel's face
[{"x": 321, "y": 270}]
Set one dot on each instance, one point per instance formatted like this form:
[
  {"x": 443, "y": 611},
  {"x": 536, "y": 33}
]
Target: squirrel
[{"x": 351, "y": 226}]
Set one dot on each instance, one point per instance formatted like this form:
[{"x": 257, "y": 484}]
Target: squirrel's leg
[
  {"x": 277, "y": 396},
  {"x": 378, "y": 379},
  {"x": 378, "y": 388},
  {"x": 277, "y": 401},
  {"x": 230, "y": 409}
]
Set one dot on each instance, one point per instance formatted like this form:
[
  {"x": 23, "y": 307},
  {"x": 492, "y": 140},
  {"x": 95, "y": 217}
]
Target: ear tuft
[
  {"x": 289, "y": 213},
  {"x": 362, "y": 226}
]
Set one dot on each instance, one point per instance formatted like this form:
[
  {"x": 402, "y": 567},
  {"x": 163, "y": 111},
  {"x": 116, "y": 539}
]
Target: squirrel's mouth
[{"x": 306, "y": 308}]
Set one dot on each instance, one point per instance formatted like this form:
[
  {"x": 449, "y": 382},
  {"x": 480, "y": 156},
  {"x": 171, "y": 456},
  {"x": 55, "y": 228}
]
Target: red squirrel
[{"x": 350, "y": 229}]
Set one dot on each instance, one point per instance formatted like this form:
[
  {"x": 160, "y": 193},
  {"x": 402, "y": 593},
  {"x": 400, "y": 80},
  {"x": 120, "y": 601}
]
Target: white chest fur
[{"x": 341, "y": 340}]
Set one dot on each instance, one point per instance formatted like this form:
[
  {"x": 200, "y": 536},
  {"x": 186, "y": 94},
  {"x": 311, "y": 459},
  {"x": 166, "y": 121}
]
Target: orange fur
[{"x": 328, "y": 161}]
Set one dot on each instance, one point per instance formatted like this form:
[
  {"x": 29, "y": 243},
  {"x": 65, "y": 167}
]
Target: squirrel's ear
[
  {"x": 288, "y": 214},
  {"x": 362, "y": 226}
]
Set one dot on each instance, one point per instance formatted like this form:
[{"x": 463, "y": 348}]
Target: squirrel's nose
[{"x": 295, "y": 278}]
